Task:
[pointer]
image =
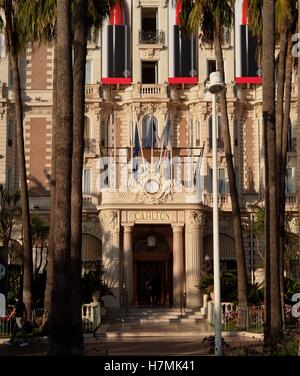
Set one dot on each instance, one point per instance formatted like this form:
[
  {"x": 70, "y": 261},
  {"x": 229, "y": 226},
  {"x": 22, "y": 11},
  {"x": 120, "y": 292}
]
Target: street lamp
[{"x": 215, "y": 86}]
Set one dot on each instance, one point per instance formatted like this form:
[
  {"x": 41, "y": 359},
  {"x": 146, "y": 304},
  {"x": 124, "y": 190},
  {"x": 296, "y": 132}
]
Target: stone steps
[{"x": 156, "y": 316}]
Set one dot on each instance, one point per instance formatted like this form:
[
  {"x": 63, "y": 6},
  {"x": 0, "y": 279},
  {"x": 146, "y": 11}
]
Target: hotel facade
[{"x": 147, "y": 204}]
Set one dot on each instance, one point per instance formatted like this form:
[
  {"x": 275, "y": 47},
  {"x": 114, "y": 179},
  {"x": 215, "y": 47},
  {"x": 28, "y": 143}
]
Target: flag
[
  {"x": 149, "y": 132},
  {"x": 168, "y": 141},
  {"x": 136, "y": 148}
]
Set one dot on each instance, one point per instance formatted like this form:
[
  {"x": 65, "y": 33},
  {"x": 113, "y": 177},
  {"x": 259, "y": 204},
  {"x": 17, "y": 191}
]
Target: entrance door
[{"x": 151, "y": 283}]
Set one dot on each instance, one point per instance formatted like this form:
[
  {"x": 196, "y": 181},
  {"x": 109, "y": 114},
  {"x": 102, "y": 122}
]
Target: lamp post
[{"x": 215, "y": 86}]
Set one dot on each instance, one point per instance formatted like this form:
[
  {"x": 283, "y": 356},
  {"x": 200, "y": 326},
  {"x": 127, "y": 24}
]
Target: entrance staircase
[
  {"x": 155, "y": 316},
  {"x": 153, "y": 322}
]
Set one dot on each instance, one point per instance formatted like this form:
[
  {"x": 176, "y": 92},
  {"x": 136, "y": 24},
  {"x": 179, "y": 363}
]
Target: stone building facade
[{"x": 144, "y": 217}]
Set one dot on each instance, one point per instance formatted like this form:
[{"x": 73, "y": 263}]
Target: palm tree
[
  {"x": 298, "y": 148},
  {"x": 213, "y": 17},
  {"x": 272, "y": 282},
  {"x": 80, "y": 26},
  {"x": 285, "y": 11},
  {"x": 37, "y": 20},
  {"x": 60, "y": 338},
  {"x": 87, "y": 14},
  {"x": 14, "y": 44}
]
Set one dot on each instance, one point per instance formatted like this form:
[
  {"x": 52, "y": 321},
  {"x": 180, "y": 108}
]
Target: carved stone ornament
[
  {"x": 196, "y": 218},
  {"x": 153, "y": 190},
  {"x": 109, "y": 218}
]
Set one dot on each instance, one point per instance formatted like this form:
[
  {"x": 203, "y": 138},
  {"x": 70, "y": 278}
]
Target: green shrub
[
  {"x": 291, "y": 287},
  {"x": 90, "y": 283}
]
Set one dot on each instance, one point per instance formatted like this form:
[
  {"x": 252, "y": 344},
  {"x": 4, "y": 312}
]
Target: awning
[{"x": 227, "y": 247}]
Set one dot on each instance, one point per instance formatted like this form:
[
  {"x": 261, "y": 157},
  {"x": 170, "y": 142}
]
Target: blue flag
[{"x": 137, "y": 146}]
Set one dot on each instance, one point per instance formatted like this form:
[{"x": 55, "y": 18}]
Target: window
[
  {"x": 10, "y": 133},
  {"x": 149, "y": 34},
  {"x": 220, "y": 142},
  {"x": 91, "y": 36},
  {"x": 149, "y": 131},
  {"x": 149, "y": 19},
  {"x": 88, "y": 72},
  {"x": 210, "y": 182},
  {"x": 236, "y": 133},
  {"x": 226, "y": 35},
  {"x": 149, "y": 72},
  {"x": 292, "y": 136},
  {"x": 222, "y": 183},
  {"x": 2, "y": 45},
  {"x": 9, "y": 179},
  {"x": 223, "y": 187},
  {"x": 290, "y": 187},
  {"x": 87, "y": 128},
  {"x": 10, "y": 75},
  {"x": 211, "y": 66},
  {"x": 86, "y": 181}
]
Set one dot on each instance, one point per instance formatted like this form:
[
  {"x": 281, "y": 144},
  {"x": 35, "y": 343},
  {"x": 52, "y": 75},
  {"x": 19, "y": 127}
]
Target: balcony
[
  {"x": 151, "y": 37},
  {"x": 224, "y": 201},
  {"x": 90, "y": 146},
  {"x": 92, "y": 91},
  {"x": 90, "y": 200},
  {"x": 220, "y": 145},
  {"x": 291, "y": 202}
]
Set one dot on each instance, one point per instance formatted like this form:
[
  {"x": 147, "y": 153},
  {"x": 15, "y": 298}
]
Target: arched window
[
  {"x": 227, "y": 252},
  {"x": 149, "y": 131},
  {"x": 292, "y": 136},
  {"x": 87, "y": 128},
  {"x": 220, "y": 142}
]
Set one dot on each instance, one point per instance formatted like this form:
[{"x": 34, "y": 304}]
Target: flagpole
[
  {"x": 131, "y": 142},
  {"x": 171, "y": 151},
  {"x": 140, "y": 141},
  {"x": 152, "y": 126}
]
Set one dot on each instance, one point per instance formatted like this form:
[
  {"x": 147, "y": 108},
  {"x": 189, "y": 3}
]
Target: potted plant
[{"x": 94, "y": 290}]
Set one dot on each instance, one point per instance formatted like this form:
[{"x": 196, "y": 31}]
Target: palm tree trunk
[
  {"x": 279, "y": 135},
  {"x": 298, "y": 150},
  {"x": 285, "y": 130},
  {"x": 49, "y": 282},
  {"x": 60, "y": 336},
  {"x": 80, "y": 51},
  {"x": 268, "y": 64},
  {"x": 27, "y": 242},
  {"x": 236, "y": 214}
]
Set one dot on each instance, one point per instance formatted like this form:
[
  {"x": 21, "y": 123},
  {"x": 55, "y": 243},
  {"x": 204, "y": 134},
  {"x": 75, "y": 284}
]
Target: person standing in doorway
[{"x": 19, "y": 313}]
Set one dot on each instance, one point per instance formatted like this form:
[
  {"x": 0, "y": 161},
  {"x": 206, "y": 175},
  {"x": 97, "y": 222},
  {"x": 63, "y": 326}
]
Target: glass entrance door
[{"x": 151, "y": 283}]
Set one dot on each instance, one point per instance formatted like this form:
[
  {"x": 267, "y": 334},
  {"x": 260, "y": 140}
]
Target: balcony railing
[
  {"x": 222, "y": 199},
  {"x": 90, "y": 146},
  {"x": 291, "y": 199},
  {"x": 151, "y": 37},
  {"x": 220, "y": 145},
  {"x": 92, "y": 91}
]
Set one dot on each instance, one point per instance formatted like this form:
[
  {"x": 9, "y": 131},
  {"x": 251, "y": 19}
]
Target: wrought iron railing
[{"x": 151, "y": 37}]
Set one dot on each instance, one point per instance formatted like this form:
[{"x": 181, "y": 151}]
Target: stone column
[
  {"x": 194, "y": 257},
  {"x": 110, "y": 227},
  {"x": 178, "y": 267},
  {"x": 128, "y": 262}
]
